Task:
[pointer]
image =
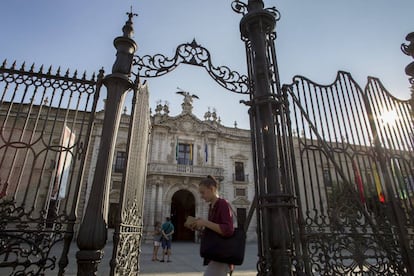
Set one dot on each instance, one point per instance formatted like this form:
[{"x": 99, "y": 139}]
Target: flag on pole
[
  {"x": 206, "y": 152},
  {"x": 395, "y": 167},
  {"x": 378, "y": 184},
  {"x": 3, "y": 191},
  {"x": 358, "y": 181},
  {"x": 61, "y": 177},
  {"x": 191, "y": 153},
  {"x": 176, "y": 149}
]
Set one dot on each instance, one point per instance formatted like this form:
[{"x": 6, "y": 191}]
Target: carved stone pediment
[
  {"x": 187, "y": 123},
  {"x": 241, "y": 201}
]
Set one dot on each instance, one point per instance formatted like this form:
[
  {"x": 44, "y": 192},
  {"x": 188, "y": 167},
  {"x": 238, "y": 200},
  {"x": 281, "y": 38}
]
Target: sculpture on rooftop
[{"x": 188, "y": 99}]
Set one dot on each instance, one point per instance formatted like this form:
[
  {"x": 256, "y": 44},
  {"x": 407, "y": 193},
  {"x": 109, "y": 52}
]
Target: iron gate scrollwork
[
  {"x": 128, "y": 228},
  {"x": 355, "y": 178},
  {"x": 191, "y": 53},
  {"x": 45, "y": 121}
]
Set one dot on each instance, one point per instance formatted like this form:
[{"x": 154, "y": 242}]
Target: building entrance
[{"x": 182, "y": 205}]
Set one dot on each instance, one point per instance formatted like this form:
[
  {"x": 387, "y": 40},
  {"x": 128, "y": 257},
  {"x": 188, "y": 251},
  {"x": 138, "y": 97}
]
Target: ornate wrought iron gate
[
  {"x": 354, "y": 150},
  {"x": 128, "y": 228},
  {"x": 45, "y": 122}
]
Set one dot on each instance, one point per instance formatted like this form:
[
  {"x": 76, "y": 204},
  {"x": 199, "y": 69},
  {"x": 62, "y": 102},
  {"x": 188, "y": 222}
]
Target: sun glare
[{"x": 389, "y": 117}]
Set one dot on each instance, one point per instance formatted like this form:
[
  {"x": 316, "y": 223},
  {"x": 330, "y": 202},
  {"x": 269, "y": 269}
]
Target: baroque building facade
[{"x": 183, "y": 149}]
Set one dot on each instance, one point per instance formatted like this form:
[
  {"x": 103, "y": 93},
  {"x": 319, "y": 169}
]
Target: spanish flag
[
  {"x": 378, "y": 185},
  {"x": 358, "y": 181}
]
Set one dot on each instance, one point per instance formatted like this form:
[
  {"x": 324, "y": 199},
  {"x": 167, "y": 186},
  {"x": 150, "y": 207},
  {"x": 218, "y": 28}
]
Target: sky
[{"x": 315, "y": 39}]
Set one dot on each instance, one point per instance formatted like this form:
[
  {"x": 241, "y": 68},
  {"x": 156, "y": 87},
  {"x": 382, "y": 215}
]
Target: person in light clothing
[{"x": 156, "y": 240}]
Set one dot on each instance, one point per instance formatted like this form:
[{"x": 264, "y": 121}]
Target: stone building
[{"x": 185, "y": 149}]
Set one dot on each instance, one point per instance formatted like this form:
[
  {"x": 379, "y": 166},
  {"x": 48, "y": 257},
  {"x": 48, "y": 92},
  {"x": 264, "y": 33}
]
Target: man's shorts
[{"x": 166, "y": 244}]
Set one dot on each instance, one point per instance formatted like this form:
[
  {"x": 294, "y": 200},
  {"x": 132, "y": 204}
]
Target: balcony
[
  {"x": 185, "y": 170},
  {"x": 240, "y": 178}
]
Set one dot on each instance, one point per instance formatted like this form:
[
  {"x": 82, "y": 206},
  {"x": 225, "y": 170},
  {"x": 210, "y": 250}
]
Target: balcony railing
[
  {"x": 240, "y": 178},
  {"x": 187, "y": 170}
]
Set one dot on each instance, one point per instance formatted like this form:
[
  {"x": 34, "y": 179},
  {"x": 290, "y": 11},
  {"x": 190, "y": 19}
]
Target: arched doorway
[{"x": 182, "y": 205}]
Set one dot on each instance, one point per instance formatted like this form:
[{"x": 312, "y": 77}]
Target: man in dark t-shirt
[{"x": 167, "y": 230}]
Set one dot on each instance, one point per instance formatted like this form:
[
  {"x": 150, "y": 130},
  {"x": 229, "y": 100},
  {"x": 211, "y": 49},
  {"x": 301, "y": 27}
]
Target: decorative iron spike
[
  {"x": 93, "y": 76},
  {"x": 4, "y": 64},
  {"x": 101, "y": 73},
  {"x": 49, "y": 71},
  {"x": 13, "y": 65},
  {"x": 41, "y": 69},
  {"x": 23, "y": 65},
  {"x": 75, "y": 74},
  {"x": 67, "y": 73},
  {"x": 32, "y": 68},
  {"x": 136, "y": 81},
  {"x": 58, "y": 71}
]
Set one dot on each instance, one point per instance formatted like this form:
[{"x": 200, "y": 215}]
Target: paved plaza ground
[
  {"x": 187, "y": 261},
  {"x": 185, "y": 258}
]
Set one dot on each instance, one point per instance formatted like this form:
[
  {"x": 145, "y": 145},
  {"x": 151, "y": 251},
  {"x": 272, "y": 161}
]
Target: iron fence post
[
  {"x": 92, "y": 235},
  {"x": 256, "y": 27}
]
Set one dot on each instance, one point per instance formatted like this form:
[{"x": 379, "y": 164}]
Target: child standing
[{"x": 157, "y": 240}]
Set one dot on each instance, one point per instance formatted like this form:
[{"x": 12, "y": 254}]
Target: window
[
  {"x": 185, "y": 154},
  {"x": 116, "y": 185},
  {"x": 240, "y": 192},
  {"x": 327, "y": 178},
  {"x": 120, "y": 161},
  {"x": 239, "y": 169}
]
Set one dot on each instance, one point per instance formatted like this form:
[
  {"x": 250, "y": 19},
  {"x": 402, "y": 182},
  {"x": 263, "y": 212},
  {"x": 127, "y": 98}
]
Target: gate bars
[
  {"x": 355, "y": 178},
  {"x": 45, "y": 121}
]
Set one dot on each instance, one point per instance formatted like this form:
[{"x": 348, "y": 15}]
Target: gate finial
[
  {"x": 126, "y": 48},
  {"x": 128, "y": 29}
]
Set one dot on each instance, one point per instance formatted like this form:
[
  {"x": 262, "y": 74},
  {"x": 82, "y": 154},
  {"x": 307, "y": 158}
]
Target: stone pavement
[
  {"x": 185, "y": 258},
  {"x": 186, "y": 261}
]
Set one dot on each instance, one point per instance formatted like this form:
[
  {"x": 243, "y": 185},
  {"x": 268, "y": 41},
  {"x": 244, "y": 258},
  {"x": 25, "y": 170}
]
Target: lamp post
[{"x": 268, "y": 121}]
